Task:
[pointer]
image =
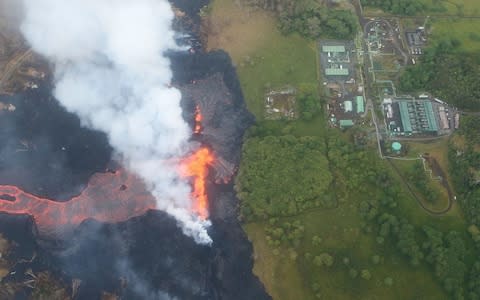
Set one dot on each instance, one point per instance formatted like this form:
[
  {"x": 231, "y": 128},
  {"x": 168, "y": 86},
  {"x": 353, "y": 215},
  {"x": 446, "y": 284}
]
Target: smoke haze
[{"x": 111, "y": 70}]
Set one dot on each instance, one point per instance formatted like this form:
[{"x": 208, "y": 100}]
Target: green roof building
[
  {"x": 432, "y": 123},
  {"x": 406, "y": 124},
  {"x": 360, "y": 105},
  {"x": 336, "y": 72},
  {"x": 345, "y": 123},
  {"x": 333, "y": 49},
  {"x": 417, "y": 116}
]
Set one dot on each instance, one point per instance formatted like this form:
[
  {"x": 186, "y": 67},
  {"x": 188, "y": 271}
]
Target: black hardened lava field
[{"x": 147, "y": 256}]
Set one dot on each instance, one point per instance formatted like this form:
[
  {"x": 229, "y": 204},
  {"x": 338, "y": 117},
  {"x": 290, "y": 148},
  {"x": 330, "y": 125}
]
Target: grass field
[
  {"x": 436, "y": 148},
  {"x": 464, "y": 30},
  {"x": 467, "y": 7},
  {"x": 342, "y": 238},
  {"x": 281, "y": 277},
  {"x": 265, "y": 59},
  {"x": 441, "y": 202},
  {"x": 450, "y": 7},
  {"x": 340, "y": 230}
]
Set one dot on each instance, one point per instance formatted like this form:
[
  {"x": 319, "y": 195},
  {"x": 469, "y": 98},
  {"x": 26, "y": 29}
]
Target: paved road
[
  {"x": 365, "y": 81},
  {"x": 370, "y": 107}
]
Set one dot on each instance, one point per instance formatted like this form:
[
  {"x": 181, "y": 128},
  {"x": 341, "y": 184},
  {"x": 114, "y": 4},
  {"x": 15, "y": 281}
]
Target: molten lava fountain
[
  {"x": 109, "y": 197},
  {"x": 196, "y": 166}
]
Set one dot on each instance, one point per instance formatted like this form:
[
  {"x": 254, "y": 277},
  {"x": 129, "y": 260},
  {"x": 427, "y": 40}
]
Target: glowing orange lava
[
  {"x": 196, "y": 167},
  {"x": 198, "y": 120},
  {"x": 108, "y": 197}
]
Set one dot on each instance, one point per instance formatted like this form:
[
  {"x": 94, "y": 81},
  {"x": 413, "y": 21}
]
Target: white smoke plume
[{"x": 111, "y": 70}]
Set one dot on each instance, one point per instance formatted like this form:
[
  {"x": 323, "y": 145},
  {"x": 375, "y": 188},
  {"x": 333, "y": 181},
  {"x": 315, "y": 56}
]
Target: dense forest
[
  {"x": 317, "y": 21},
  {"x": 310, "y": 18},
  {"x": 397, "y": 7},
  {"x": 283, "y": 175},
  {"x": 464, "y": 160},
  {"x": 308, "y": 101},
  {"x": 447, "y": 72}
]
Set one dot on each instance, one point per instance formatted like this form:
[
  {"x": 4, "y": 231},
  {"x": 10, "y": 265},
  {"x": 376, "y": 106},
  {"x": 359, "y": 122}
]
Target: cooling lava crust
[{"x": 47, "y": 154}]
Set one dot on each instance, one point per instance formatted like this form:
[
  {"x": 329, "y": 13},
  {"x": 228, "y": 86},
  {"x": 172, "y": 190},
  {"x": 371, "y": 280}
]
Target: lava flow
[
  {"x": 196, "y": 167},
  {"x": 108, "y": 197},
  {"x": 198, "y": 121}
]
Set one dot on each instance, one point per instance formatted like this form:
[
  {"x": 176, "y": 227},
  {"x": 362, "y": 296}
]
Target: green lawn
[
  {"x": 283, "y": 61},
  {"x": 464, "y": 30},
  {"x": 280, "y": 275},
  {"x": 442, "y": 201},
  {"x": 265, "y": 58},
  {"x": 468, "y": 7},
  {"x": 450, "y": 7},
  {"x": 453, "y": 220},
  {"x": 342, "y": 238},
  {"x": 274, "y": 62}
]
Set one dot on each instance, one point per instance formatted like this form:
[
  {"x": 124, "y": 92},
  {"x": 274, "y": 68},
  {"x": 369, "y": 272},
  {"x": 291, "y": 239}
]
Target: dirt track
[{"x": 435, "y": 168}]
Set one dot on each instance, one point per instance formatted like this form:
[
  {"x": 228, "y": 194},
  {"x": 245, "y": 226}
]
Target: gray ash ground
[{"x": 147, "y": 257}]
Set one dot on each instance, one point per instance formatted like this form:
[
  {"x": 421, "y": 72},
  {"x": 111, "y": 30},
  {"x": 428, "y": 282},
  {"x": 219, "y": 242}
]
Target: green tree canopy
[{"x": 282, "y": 176}]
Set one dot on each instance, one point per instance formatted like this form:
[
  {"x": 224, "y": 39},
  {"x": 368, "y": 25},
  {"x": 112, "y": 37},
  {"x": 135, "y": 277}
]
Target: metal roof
[
  {"x": 417, "y": 116},
  {"x": 348, "y": 105},
  {"x": 432, "y": 123},
  {"x": 336, "y": 72},
  {"x": 360, "y": 104},
  {"x": 406, "y": 124},
  {"x": 345, "y": 123},
  {"x": 333, "y": 48}
]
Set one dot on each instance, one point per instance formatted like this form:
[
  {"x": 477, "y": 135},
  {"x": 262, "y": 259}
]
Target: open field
[
  {"x": 341, "y": 237},
  {"x": 440, "y": 203},
  {"x": 286, "y": 61},
  {"x": 436, "y": 148},
  {"x": 453, "y": 220},
  {"x": 289, "y": 272},
  {"x": 265, "y": 59},
  {"x": 465, "y": 7},
  {"x": 464, "y": 30},
  {"x": 280, "y": 276},
  {"x": 236, "y": 29}
]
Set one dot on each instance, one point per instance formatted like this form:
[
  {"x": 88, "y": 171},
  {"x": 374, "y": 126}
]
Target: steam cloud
[{"x": 111, "y": 70}]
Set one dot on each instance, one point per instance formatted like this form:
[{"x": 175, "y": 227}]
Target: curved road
[
  {"x": 369, "y": 107},
  {"x": 420, "y": 202}
]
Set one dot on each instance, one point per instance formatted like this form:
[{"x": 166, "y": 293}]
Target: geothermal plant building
[{"x": 407, "y": 116}]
